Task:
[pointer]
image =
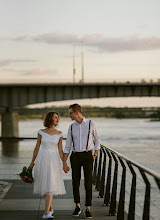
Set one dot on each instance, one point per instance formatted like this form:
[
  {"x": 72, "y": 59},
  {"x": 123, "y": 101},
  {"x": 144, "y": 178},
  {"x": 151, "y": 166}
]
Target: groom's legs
[
  {"x": 87, "y": 167},
  {"x": 76, "y": 175}
]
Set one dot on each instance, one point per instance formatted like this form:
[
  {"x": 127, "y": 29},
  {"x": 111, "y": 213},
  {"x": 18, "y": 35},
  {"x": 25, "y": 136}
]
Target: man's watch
[{"x": 95, "y": 156}]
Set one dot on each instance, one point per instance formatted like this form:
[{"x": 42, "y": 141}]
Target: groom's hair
[{"x": 76, "y": 107}]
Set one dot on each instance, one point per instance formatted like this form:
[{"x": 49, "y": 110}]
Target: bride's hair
[{"x": 48, "y": 122}]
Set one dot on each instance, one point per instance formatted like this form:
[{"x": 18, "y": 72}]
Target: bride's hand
[
  {"x": 68, "y": 168},
  {"x": 31, "y": 166}
]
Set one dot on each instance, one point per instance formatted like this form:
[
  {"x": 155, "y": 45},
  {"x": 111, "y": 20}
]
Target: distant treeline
[{"x": 107, "y": 112}]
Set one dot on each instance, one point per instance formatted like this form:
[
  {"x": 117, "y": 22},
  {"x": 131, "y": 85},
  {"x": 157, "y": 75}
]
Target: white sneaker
[
  {"x": 48, "y": 216},
  {"x": 51, "y": 212}
]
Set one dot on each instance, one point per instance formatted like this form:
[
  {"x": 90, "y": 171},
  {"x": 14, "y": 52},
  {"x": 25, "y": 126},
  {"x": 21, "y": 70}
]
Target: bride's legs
[
  {"x": 51, "y": 207},
  {"x": 48, "y": 203}
]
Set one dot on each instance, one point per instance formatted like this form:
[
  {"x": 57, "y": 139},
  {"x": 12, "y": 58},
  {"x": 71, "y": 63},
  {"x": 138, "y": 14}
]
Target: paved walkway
[{"x": 18, "y": 202}]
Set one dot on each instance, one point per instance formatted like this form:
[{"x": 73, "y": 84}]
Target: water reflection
[{"x": 10, "y": 148}]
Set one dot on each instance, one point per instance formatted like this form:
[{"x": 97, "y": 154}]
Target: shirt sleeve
[
  {"x": 68, "y": 142},
  {"x": 96, "y": 136}
]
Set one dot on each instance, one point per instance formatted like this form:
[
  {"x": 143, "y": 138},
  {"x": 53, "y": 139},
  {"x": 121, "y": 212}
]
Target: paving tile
[
  {"x": 60, "y": 204},
  {"x": 16, "y": 204},
  {"x": 19, "y": 186},
  {"x": 19, "y": 215}
]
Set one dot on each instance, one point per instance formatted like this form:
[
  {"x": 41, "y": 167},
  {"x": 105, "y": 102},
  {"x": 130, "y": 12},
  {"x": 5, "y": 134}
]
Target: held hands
[
  {"x": 94, "y": 157},
  {"x": 65, "y": 168}
]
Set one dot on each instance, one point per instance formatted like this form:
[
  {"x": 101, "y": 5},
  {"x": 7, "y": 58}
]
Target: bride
[{"x": 48, "y": 179}]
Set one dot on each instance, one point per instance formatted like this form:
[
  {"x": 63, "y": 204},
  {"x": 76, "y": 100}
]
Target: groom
[{"x": 81, "y": 135}]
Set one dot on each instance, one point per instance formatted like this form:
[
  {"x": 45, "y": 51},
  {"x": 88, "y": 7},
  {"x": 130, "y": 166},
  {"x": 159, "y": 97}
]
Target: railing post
[
  {"x": 108, "y": 184},
  {"x": 132, "y": 202},
  {"x": 120, "y": 214},
  {"x": 146, "y": 208},
  {"x": 99, "y": 172},
  {"x": 102, "y": 181},
  {"x": 112, "y": 210}
]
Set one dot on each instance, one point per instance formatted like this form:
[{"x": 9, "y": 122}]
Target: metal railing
[{"x": 129, "y": 189}]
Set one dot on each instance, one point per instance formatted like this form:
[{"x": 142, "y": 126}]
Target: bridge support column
[{"x": 10, "y": 124}]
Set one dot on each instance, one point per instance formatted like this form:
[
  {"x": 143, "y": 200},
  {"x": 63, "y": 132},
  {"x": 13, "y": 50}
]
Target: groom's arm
[{"x": 96, "y": 139}]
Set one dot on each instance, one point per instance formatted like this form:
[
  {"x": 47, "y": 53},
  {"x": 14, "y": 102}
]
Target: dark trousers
[{"x": 85, "y": 160}]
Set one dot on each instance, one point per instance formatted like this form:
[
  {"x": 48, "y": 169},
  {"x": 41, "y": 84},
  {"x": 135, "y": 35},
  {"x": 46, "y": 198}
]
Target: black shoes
[
  {"x": 77, "y": 211},
  {"x": 88, "y": 213}
]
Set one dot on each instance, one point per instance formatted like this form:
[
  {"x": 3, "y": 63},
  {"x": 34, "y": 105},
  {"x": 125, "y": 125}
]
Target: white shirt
[{"x": 80, "y": 136}]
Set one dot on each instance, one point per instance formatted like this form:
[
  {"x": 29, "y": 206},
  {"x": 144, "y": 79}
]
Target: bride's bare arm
[
  {"x": 60, "y": 148},
  {"x": 35, "y": 152}
]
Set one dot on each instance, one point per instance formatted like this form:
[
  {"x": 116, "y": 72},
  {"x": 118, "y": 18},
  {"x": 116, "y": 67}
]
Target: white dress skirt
[{"x": 48, "y": 167}]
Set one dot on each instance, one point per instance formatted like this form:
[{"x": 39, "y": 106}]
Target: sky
[{"x": 120, "y": 40}]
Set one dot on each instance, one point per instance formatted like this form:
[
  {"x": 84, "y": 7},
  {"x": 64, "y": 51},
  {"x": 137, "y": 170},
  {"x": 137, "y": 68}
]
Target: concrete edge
[{"x": 7, "y": 186}]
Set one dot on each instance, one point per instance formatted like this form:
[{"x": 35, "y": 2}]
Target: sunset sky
[{"x": 120, "y": 39}]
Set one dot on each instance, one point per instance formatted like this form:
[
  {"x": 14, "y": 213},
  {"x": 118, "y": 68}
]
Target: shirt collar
[{"x": 84, "y": 120}]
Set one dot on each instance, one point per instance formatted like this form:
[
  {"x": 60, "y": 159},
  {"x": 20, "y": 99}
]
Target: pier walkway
[
  {"x": 130, "y": 190},
  {"x": 18, "y": 202}
]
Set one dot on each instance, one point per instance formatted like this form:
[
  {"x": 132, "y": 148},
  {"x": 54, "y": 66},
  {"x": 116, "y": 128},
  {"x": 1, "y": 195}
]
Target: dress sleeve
[
  {"x": 61, "y": 135},
  {"x": 39, "y": 132}
]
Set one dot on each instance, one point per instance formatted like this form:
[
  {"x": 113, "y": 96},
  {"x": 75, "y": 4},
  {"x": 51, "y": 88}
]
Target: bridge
[{"x": 18, "y": 95}]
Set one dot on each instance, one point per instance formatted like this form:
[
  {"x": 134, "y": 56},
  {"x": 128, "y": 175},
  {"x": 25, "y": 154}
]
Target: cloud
[
  {"x": 57, "y": 38},
  {"x": 102, "y": 43},
  {"x": 42, "y": 71},
  {"x": 7, "y": 62},
  {"x": 98, "y": 41},
  {"x": 127, "y": 43}
]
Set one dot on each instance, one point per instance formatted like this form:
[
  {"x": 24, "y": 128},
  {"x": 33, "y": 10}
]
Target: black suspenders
[
  {"x": 88, "y": 135},
  {"x": 72, "y": 138},
  {"x": 87, "y": 138}
]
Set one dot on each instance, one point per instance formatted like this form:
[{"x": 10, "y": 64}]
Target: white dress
[{"x": 48, "y": 167}]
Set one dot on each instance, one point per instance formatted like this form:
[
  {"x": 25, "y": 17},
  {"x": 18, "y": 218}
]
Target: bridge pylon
[{"x": 10, "y": 123}]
